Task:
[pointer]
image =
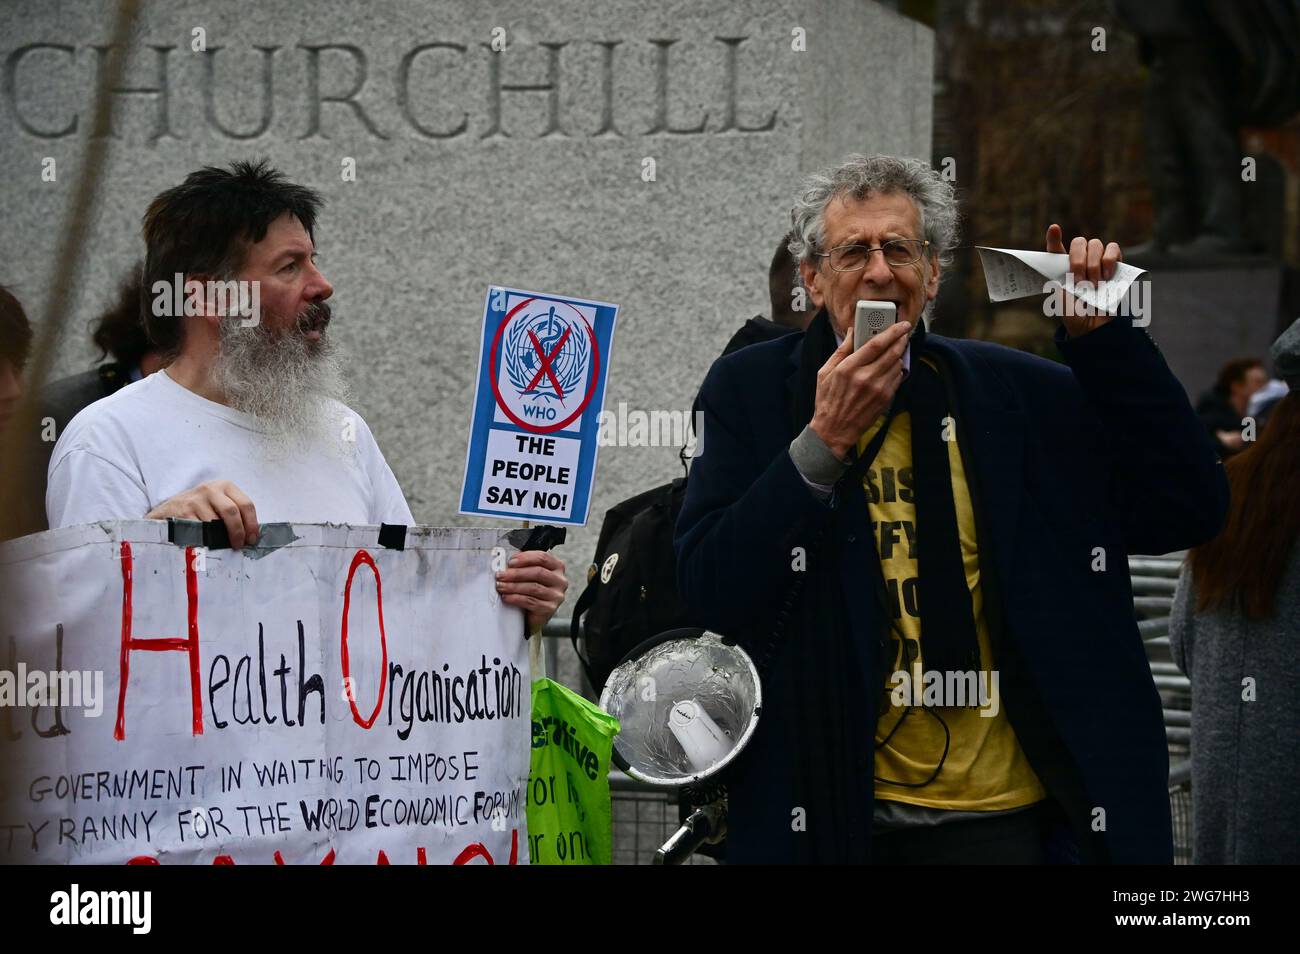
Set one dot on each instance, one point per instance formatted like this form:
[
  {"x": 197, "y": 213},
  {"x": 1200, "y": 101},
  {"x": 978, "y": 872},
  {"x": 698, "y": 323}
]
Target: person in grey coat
[{"x": 1235, "y": 632}]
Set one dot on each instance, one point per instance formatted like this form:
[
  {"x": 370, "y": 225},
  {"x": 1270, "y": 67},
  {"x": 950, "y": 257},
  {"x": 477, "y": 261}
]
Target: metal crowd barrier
[
  {"x": 1154, "y": 582},
  {"x": 645, "y": 817}
]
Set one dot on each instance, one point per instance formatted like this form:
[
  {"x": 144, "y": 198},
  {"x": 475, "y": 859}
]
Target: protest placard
[
  {"x": 318, "y": 698},
  {"x": 542, "y": 368},
  {"x": 569, "y": 810}
]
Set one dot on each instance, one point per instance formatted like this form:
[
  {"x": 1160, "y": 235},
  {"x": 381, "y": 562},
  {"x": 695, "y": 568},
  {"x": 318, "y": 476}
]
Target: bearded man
[{"x": 247, "y": 422}]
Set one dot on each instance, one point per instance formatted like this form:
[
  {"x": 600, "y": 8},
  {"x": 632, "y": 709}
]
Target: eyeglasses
[{"x": 897, "y": 253}]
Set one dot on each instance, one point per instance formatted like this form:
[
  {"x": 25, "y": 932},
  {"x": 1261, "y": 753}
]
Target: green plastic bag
[{"x": 569, "y": 819}]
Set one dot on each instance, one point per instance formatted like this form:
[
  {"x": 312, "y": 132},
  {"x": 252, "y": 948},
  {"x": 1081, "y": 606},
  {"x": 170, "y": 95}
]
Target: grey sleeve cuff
[{"x": 818, "y": 466}]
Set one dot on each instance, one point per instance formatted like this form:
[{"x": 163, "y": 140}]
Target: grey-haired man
[{"x": 923, "y": 542}]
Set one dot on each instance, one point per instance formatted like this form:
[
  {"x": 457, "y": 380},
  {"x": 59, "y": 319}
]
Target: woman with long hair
[{"x": 1235, "y": 631}]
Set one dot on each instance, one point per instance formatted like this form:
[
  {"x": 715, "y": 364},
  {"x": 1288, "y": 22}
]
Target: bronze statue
[{"x": 1215, "y": 66}]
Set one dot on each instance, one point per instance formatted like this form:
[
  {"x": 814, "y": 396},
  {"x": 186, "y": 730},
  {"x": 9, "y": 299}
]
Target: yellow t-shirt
[{"x": 985, "y": 769}]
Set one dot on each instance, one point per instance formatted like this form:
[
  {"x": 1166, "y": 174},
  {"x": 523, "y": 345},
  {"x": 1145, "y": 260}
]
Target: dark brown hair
[
  {"x": 781, "y": 276},
  {"x": 1241, "y": 569},
  {"x": 15, "y": 330},
  {"x": 204, "y": 227},
  {"x": 1232, "y": 372},
  {"x": 119, "y": 331}
]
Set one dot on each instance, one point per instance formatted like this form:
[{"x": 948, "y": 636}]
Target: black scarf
[
  {"x": 948, "y": 639},
  {"x": 832, "y": 743}
]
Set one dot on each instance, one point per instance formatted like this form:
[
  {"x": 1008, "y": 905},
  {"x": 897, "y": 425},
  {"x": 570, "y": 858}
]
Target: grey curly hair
[{"x": 859, "y": 176}]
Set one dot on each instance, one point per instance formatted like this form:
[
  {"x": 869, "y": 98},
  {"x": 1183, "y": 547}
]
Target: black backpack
[
  {"x": 631, "y": 592},
  {"x": 631, "y": 589}
]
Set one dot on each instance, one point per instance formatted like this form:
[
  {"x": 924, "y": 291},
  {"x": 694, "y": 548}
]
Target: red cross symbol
[
  {"x": 546, "y": 360},
  {"x": 520, "y": 313}
]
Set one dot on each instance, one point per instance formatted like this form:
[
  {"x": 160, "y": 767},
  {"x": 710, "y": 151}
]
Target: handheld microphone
[{"x": 870, "y": 319}]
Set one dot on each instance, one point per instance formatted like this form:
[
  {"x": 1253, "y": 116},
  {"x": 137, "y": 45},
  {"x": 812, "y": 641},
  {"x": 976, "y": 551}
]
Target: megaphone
[{"x": 687, "y": 701}]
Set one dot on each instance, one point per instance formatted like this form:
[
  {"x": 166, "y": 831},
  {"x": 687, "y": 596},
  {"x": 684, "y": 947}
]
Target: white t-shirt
[{"x": 124, "y": 455}]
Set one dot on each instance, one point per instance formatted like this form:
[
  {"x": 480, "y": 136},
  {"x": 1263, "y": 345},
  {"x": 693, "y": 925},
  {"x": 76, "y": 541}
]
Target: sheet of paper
[{"x": 1017, "y": 273}]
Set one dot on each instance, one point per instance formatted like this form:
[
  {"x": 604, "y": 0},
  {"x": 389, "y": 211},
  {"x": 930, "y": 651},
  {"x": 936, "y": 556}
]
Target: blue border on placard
[{"x": 485, "y": 403}]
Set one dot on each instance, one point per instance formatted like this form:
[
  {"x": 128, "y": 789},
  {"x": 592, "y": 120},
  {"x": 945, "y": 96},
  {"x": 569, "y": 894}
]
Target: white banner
[{"x": 318, "y": 699}]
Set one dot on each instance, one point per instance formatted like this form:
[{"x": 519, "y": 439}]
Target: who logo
[{"x": 546, "y": 363}]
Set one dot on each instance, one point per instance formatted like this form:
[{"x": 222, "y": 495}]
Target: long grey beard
[{"x": 285, "y": 381}]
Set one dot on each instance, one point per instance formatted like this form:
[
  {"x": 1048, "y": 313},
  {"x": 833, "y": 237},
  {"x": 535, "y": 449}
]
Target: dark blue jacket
[{"x": 1105, "y": 452}]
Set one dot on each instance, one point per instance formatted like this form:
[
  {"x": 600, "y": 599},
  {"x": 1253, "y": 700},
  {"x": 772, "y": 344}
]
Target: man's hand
[
  {"x": 1232, "y": 440},
  {"x": 216, "y": 499},
  {"x": 855, "y": 387},
  {"x": 1091, "y": 260},
  {"x": 533, "y": 581}
]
